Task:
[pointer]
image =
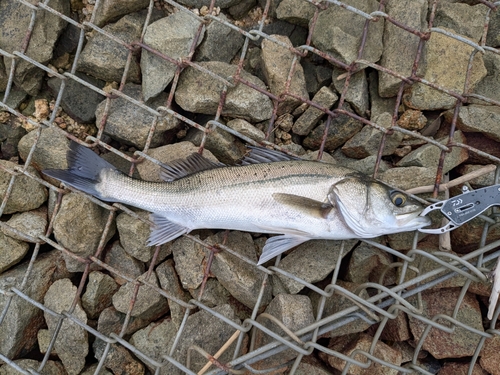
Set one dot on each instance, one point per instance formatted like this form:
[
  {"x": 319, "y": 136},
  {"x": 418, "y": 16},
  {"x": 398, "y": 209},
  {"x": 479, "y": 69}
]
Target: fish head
[{"x": 370, "y": 208}]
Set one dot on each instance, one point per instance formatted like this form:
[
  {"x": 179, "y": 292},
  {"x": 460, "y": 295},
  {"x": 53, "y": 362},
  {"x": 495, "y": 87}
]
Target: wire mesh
[{"x": 377, "y": 307}]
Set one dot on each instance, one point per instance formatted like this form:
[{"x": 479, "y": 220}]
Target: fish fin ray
[
  {"x": 69, "y": 178},
  {"x": 180, "y": 168},
  {"x": 304, "y": 204},
  {"x": 165, "y": 230},
  {"x": 258, "y": 155},
  {"x": 279, "y": 244}
]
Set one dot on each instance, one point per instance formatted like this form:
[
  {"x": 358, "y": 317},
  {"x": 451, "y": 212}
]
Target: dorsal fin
[
  {"x": 259, "y": 155},
  {"x": 184, "y": 167}
]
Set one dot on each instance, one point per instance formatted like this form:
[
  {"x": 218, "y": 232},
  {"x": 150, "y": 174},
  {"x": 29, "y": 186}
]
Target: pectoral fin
[
  {"x": 278, "y": 244},
  {"x": 306, "y": 205},
  {"x": 164, "y": 230}
]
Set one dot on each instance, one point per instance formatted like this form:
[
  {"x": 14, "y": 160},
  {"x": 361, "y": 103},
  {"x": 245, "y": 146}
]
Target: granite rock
[
  {"x": 51, "y": 148},
  {"x": 98, "y": 294},
  {"x": 298, "y": 12},
  {"x": 189, "y": 259},
  {"x": 463, "y": 19},
  {"x": 357, "y": 92},
  {"x": 120, "y": 260},
  {"x": 325, "y": 97},
  {"x": 33, "y": 223},
  {"x": 246, "y": 129},
  {"x": 111, "y": 10},
  {"x": 12, "y": 251},
  {"x": 50, "y": 368},
  {"x": 483, "y": 119}
]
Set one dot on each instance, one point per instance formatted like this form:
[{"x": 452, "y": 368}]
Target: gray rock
[
  {"x": 446, "y": 61},
  {"x": 276, "y": 64},
  {"x": 310, "y": 365},
  {"x": 149, "y": 305},
  {"x": 44, "y": 338},
  {"x": 482, "y": 181},
  {"x": 295, "y": 312},
  {"x": 308, "y": 120},
  {"x": 464, "y": 19},
  {"x": 312, "y": 261},
  {"x": 26, "y": 193},
  {"x": 16, "y": 98},
  {"x": 12, "y": 251},
  {"x": 15, "y": 19},
  {"x": 409, "y": 177},
  {"x": 10, "y": 135},
  {"x": 105, "y": 59},
  {"x": 214, "y": 294},
  {"x": 483, "y": 119},
  {"x": 130, "y": 124},
  {"x": 172, "y": 36},
  {"x": 367, "y": 263},
  {"x": 151, "y": 172},
  {"x": 50, "y": 151},
  {"x": 365, "y": 165},
  {"x": 111, "y": 10},
  {"x": 72, "y": 341},
  {"x": 378, "y": 105},
  {"x": 488, "y": 86},
  {"x": 441, "y": 344},
  {"x": 33, "y": 223},
  {"x": 50, "y": 368},
  {"x": 341, "y": 129},
  {"x": 316, "y": 76},
  {"x": 98, "y": 294},
  {"x": 118, "y": 359},
  {"x": 189, "y": 259},
  {"x": 298, "y": 12},
  {"x": 357, "y": 93},
  {"x": 3, "y": 75},
  {"x": 23, "y": 319},
  {"x": 400, "y": 48},
  {"x": 118, "y": 258},
  {"x": 367, "y": 141},
  {"x": 78, "y": 226},
  {"x": 223, "y": 4},
  {"x": 339, "y": 302},
  {"x": 246, "y": 129},
  {"x": 169, "y": 282},
  {"x": 78, "y": 101},
  {"x": 92, "y": 368},
  {"x": 134, "y": 234},
  {"x": 428, "y": 155},
  {"x": 241, "y": 8},
  {"x": 241, "y": 280},
  {"x": 200, "y": 93},
  {"x": 338, "y": 32},
  {"x": 112, "y": 321},
  {"x": 211, "y": 49},
  {"x": 493, "y": 37}
]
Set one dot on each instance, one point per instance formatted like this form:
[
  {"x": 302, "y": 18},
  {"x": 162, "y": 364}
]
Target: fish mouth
[{"x": 413, "y": 220}]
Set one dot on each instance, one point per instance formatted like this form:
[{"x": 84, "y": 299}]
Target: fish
[{"x": 269, "y": 192}]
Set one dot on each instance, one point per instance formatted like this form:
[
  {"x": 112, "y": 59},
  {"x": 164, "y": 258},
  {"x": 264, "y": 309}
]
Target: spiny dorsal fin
[
  {"x": 306, "y": 205},
  {"x": 184, "y": 167},
  {"x": 259, "y": 155}
]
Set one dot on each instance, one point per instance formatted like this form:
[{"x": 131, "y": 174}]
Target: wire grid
[{"x": 379, "y": 308}]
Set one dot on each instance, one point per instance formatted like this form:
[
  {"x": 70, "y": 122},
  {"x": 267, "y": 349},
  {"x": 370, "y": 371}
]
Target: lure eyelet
[{"x": 398, "y": 198}]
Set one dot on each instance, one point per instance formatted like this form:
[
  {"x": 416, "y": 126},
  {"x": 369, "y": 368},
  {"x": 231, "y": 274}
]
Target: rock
[
  {"x": 428, "y": 155},
  {"x": 44, "y": 337},
  {"x": 12, "y": 251},
  {"x": 241, "y": 8},
  {"x": 189, "y": 259},
  {"x": 130, "y": 124},
  {"x": 441, "y": 344},
  {"x": 493, "y": 36},
  {"x": 246, "y": 129},
  {"x": 223, "y": 4},
  {"x": 463, "y": 19},
  {"x": 367, "y": 141},
  {"x": 400, "y": 48},
  {"x": 347, "y": 345},
  {"x": 365, "y": 165},
  {"x": 412, "y": 120},
  {"x": 3, "y": 76},
  {"x": 110, "y": 10},
  {"x": 200, "y": 93},
  {"x": 213, "y": 295},
  {"x": 151, "y": 172},
  {"x": 149, "y": 305},
  {"x": 341, "y": 129},
  {"x": 489, "y": 355},
  {"x": 172, "y": 36},
  {"x": 317, "y": 76},
  {"x": 97, "y": 296},
  {"x": 308, "y": 120},
  {"x": 118, "y": 258},
  {"x": 50, "y": 151},
  {"x": 243, "y": 282},
  {"x": 10, "y": 135},
  {"x": 312, "y": 261},
  {"x": 79, "y": 101},
  {"x": 134, "y": 234},
  {"x": 79, "y": 226},
  {"x": 112, "y": 321},
  {"x": 15, "y": 19},
  {"x": 105, "y": 59},
  {"x": 72, "y": 341},
  {"x": 378, "y": 105},
  {"x": 23, "y": 319},
  {"x": 408, "y": 177},
  {"x": 26, "y": 193},
  {"x": 338, "y": 32},
  {"x": 169, "y": 282},
  {"x": 478, "y": 118},
  {"x": 92, "y": 368},
  {"x": 225, "y": 146},
  {"x": 484, "y": 144},
  {"x": 337, "y": 303},
  {"x": 276, "y": 64},
  {"x": 211, "y": 49},
  {"x": 118, "y": 359},
  {"x": 487, "y": 86},
  {"x": 482, "y": 181},
  {"x": 467, "y": 237},
  {"x": 446, "y": 61},
  {"x": 50, "y": 368},
  {"x": 295, "y": 312},
  {"x": 298, "y": 12},
  {"x": 33, "y": 223},
  {"x": 312, "y": 366},
  {"x": 457, "y": 368},
  {"x": 357, "y": 92},
  {"x": 16, "y": 98},
  {"x": 296, "y": 34},
  {"x": 397, "y": 329},
  {"x": 367, "y": 263}
]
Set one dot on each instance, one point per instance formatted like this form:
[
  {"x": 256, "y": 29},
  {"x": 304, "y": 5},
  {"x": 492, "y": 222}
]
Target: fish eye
[{"x": 398, "y": 199}]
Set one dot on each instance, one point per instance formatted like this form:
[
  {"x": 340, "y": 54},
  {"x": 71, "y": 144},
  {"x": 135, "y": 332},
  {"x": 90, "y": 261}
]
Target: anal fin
[
  {"x": 279, "y": 244},
  {"x": 164, "y": 230}
]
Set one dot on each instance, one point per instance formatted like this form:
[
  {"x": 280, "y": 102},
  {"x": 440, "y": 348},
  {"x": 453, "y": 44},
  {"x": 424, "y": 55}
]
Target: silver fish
[{"x": 269, "y": 193}]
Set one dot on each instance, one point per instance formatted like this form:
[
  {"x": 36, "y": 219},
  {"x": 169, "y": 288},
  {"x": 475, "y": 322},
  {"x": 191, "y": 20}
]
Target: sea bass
[{"x": 270, "y": 192}]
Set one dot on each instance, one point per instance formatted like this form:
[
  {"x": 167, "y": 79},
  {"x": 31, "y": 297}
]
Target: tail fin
[{"x": 84, "y": 170}]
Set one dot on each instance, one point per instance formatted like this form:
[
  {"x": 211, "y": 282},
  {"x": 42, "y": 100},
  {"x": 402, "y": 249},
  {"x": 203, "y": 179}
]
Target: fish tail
[{"x": 84, "y": 170}]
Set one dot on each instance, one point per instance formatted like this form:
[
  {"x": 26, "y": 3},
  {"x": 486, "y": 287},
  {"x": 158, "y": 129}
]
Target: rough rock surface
[
  {"x": 33, "y": 223},
  {"x": 12, "y": 251},
  {"x": 120, "y": 260},
  {"x": 308, "y": 120},
  {"x": 97, "y": 296},
  {"x": 483, "y": 119},
  {"x": 189, "y": 259},
  {"x": 50, "y": 151},
  {"x": 110, "y": 10},
  {"x": 357, "y": 92}
]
